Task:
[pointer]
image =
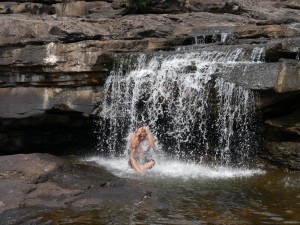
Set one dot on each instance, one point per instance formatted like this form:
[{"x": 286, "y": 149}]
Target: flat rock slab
[{"x": 43, "y": 180}]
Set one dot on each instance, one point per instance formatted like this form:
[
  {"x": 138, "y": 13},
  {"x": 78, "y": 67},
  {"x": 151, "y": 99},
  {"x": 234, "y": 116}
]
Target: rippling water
[
  {"x": 190, "y": 193},
  {"x": 184, "y": 193}
]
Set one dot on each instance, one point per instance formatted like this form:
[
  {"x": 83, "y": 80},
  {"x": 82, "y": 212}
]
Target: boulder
[
  {"x": 288, "y": 124},
  {"x": 272, "y": 104},
  {"x": 256, "y": 77},
  {"x": 81, "y": 8},
  {"x": 43, "y": 180},
  {"x": 283, "y": 76},
  {"x": 56, "y": 131},
  {"x": 12, "y": 193},
  {"x": 23, "y": 102},
  {"x": 284, "y": 153},
  {"x": 289, "y": 77},
  {"x": 28, "y": 7},
  {"x": 32, "y": 168},
  {"x": 283, "y": 137}
]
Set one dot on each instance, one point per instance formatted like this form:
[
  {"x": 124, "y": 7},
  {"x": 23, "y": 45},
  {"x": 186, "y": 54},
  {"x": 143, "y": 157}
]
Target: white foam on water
[
  {"x": 291, "y": 182},
  {"x": 174, "y": 169}
]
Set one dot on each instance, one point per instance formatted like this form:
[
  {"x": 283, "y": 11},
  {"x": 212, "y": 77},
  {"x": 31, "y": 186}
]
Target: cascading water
[{"x": 192, "y": 112}]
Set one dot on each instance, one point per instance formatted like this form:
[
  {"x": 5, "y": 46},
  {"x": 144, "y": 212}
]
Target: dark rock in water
[
  {"x": 43, "y": 180},
  {"x": 282, "y": 130},
  {"x": 273, "y": 104},
  {"x": 288, "y": 123},
  {"x": 285, "y": 153}
]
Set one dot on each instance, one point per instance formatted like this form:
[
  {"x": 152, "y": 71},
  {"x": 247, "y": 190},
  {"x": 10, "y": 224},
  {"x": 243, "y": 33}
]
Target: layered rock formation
[
  {"x": 55, "y": 56},
  {"x": 43, "y": 180}
]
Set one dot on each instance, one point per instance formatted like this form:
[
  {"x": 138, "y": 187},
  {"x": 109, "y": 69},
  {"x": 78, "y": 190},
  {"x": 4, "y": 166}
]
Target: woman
[{"x": 138, "y": 146}]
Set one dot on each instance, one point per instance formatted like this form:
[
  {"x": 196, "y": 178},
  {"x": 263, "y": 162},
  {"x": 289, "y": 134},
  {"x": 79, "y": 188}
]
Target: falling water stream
[
  {"x": 206, "y": 137},
  {"x": 191, "y": 112}
]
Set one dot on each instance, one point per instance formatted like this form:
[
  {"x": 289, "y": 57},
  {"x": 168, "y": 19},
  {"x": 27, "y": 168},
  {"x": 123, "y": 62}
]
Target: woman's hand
[
  {"x": 139, "y": 131},
  {"x": 147, "y": 130}
]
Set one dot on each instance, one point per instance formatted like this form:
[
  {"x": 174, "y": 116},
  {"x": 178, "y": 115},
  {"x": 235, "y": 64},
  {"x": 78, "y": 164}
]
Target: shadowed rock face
[
  {"x": 56, "y": 55},
  {"x": 285, "y": 153},
  {"x": 55, "y": 131}
]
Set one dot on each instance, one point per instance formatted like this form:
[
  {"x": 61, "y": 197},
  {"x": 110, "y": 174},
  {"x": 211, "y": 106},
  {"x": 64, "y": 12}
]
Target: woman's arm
[
  {"x": 134, "y": 143},
  {"x": 150, "y": 138}
]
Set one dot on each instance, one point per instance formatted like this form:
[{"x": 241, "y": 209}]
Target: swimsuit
[{"x": 144, "y": 158}]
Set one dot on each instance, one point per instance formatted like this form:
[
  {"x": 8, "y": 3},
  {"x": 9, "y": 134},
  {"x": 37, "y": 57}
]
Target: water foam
[{"x": 172, "y": 168}]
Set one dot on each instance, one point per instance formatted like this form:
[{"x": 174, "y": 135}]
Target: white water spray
[
  {"x": 190, "y": 112},
  {"x": 51, "y": 58},
  {"x": 174, "y": 169}
]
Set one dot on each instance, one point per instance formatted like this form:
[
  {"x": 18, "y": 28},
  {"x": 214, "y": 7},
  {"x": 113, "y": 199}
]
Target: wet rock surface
[
  {"x": 47, "y": 181},
  {"x": 285, "y": 153}
]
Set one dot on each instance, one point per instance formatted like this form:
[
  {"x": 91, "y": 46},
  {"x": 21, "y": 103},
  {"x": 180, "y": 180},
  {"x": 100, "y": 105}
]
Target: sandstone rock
[
  {"x": 285, "y": 153},
  {"x": 73, "y": 8},
  {"x": 287, "y": 49},
  {"x": 12, "y": 193},
  {"x": 292, "y": 4},
  {"x": 32, "y": 168},
  {"x": 42, "y": 180},
  {"x": 49, "y": 194},
  {"x": 57, "y": 132},
  {"x": 30, "y": 7},
  {"x": 270, "y": 31},
  {"x": 255, "y": 77},
  {"x": 215, "y": 6},
  {"x": 24, "y": 102},
  {"x": 80, "y": 8},
  {"x": 283, "y": 132},
  {"x": 275, "y": 103},
  {"x": 289, "y": 78},
  {"x": 289, "y": 123},
  {"x": 118, "y": 4},
  {"x": 282, "y": 77}
]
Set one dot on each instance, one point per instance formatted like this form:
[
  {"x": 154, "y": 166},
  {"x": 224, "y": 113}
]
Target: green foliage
[{"x": 138, "y": 4}]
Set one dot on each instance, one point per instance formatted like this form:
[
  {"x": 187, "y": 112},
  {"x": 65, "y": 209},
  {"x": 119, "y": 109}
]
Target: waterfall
[
  {"x": 51, "y": 58},
  {"x": 221, "y": 37},
  {"x": 191, "y": 112}
]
